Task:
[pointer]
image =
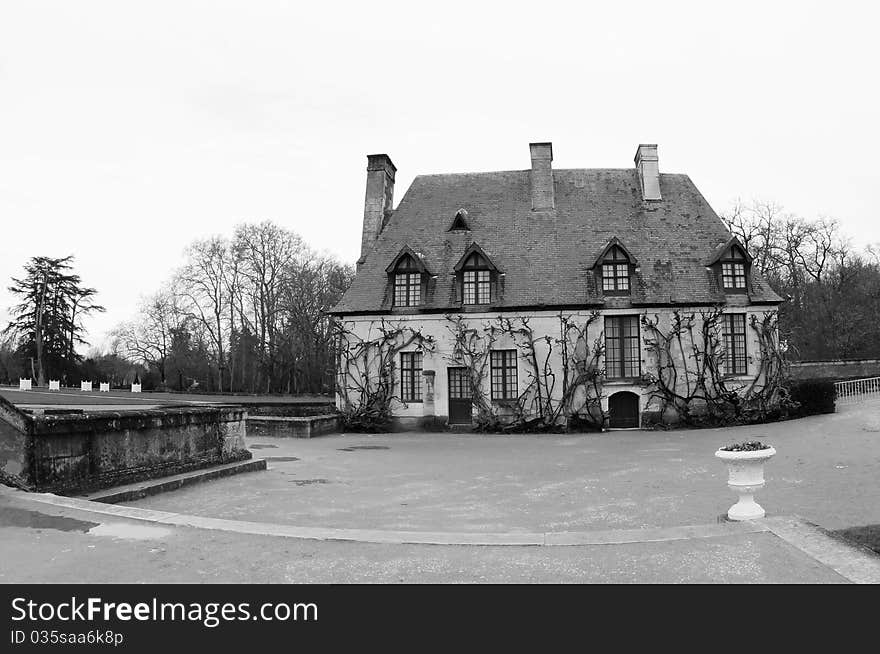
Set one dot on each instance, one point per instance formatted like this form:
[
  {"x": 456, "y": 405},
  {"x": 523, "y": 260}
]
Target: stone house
[{"x": 528, "y": 292}]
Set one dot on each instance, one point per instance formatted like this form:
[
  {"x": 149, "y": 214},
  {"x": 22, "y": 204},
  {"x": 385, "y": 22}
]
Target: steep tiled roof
[{"x": 547, "y": 257}]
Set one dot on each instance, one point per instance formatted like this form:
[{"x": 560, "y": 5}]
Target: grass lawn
[{"x": 867, "y": 535}]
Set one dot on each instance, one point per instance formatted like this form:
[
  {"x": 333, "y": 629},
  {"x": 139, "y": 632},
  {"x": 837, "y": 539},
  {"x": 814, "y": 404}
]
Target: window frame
[
  {"x": 476, "y": 266},
  {"x": 411, "y": 390},
  {"x": 616, "y": 259},
  {"x": 621, "y": 346},
  {"x": 411, "y": 284},
  {"x": 732, "y": 259},
  {"x": 729, "y": 338},
  {"x": 506, "y": 381}
]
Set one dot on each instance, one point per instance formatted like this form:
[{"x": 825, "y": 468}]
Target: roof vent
[{"x": 459, "y": 223}]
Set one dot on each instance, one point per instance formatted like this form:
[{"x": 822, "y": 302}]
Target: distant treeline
[{"x": 245, "y": 314}]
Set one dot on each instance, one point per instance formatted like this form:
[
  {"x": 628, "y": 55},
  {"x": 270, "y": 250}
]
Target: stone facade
[{"x": 433, "y": 409}]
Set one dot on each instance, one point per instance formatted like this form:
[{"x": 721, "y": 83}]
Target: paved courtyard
[
  {"x": 825, "y": 470},
  {"x": 621, "y": 497}
]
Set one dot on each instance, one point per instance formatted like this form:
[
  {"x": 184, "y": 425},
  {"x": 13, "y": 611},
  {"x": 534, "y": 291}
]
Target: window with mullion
[
  {"x": 733, "y": 275},
  {"x": 504, "y": 380},
  {"x": 615, "y": 277},
  {"x": 476, "y": 286},
  {"x": 622, "y": 351},
  {"x": 411, "y": 376},
  {"x": 615, "y": 272},
  {"x": 407, "y": 289},
  {"x": 734, "y": 334}
]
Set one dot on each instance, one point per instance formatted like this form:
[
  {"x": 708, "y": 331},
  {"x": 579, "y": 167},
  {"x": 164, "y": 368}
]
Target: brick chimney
[
  {"x": 542, "y": 176},
  {"x": 649, "y": 171},
  {"x": 378, "y": 200}
]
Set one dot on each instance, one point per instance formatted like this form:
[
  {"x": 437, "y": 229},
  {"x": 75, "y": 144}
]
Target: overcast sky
[{"x": 128, "y": 129}]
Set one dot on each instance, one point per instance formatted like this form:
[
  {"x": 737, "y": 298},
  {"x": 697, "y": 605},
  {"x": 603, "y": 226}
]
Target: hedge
[{"x": 813, "y": 396}]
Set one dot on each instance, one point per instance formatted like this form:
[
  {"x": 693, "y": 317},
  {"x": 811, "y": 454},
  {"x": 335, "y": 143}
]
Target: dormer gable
[
  {"x": 730, "y": 250},
  {"x": 608, "y": 251},
  {"x": 415, "y": 262},
  {"x": 468, "y": 259}
]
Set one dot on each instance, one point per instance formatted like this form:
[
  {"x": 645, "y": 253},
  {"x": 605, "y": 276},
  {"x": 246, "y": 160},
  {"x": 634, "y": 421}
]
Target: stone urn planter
[{"x": 745, "y": 470}]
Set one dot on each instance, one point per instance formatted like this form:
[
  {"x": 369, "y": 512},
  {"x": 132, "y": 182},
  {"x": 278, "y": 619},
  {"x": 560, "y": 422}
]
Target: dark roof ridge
[{"x": 527, "y": 170}]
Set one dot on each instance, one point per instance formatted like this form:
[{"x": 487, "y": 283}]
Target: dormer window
[
  {"x": 733, "y": 270},
  {"x": 613, "y": 268},
  {"x": 615, "y": 272},
  {"x": 407, "y": 278},
  {"x": 731, "y": 265},
  {"x": 476, "y": 281},
  {"x": 476, "y": 275},
  {"x": 407, "y": 283}
]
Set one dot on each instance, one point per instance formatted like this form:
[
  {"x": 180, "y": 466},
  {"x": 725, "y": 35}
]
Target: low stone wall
[
  {"x": 292, "y": 427},
  {"x": 289, "y": 409},
  {"x": 76, "y": 453},
  {"x": 836, "y": 370}
]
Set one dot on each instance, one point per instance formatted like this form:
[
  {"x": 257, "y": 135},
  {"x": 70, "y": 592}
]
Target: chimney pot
[
  {"x": 648, "y": 167},
  {"x": 543, "y": 198}
]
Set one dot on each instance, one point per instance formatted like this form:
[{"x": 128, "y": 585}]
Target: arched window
[
  {"x": 476, "y": 280},
  {"x": 407, "y": 283},
  {"x": 615, "y": 272}
]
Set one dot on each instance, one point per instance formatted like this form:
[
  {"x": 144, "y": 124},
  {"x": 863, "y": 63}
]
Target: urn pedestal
[{"x": 745, "y": 475}]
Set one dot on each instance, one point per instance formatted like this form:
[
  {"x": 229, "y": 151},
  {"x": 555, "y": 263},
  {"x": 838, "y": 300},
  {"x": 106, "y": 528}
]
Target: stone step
[{"x": 138, "y": 490}]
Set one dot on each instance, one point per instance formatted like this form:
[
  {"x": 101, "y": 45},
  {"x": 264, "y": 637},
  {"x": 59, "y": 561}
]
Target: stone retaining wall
[
  {"x": 292, "y": 427},
  {"x": 289, "y": 409},
  {"x": 76, "y": 453}
]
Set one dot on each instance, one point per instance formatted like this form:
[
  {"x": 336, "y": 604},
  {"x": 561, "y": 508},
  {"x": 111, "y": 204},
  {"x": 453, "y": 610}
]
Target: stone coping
[
  {"x": 323, "y": 416},
  {"x": 130, "y": 419}
]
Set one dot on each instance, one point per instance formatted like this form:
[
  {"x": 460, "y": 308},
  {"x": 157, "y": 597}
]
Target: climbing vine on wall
[
  {"x": 563, "y": 374},
  {"x": 470, "y": 349},
  {"x": 688, "y": 376},
  {"x": 366, "y": 370}
]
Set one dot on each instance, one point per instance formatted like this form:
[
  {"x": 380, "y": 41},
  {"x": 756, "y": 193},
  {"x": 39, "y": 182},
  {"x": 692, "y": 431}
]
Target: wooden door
[
  {"x": 623, "y": 408},
  {"x": 460, "y": 397}
]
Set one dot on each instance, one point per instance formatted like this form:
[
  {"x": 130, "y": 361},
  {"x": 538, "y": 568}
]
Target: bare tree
[
  {"x": 203, "y": 284},
  {"x": 149, "y": 337},
  {"x": 266, "y": 254}
]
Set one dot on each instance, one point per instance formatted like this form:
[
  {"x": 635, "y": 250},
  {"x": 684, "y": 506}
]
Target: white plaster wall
[{"x": 541, "y": 323}]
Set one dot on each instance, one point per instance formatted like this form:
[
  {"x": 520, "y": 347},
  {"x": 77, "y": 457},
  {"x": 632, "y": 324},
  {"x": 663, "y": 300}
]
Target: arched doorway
[{"x": 623, "y": 408}]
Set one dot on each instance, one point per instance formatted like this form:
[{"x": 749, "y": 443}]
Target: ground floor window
[
  {"x": 622, "y": 352},
  {"x": 503, "y": 364},
  {"x": 411, "y": 376},
  {"x": 735, "y": 362}
]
